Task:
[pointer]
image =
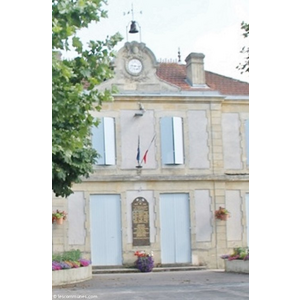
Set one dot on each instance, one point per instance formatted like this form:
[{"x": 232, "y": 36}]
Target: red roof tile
[{"x": 176, "y": 74}]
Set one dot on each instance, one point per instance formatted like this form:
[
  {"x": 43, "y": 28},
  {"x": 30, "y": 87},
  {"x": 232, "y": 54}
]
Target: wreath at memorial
[{"x": 145, "y": 261}]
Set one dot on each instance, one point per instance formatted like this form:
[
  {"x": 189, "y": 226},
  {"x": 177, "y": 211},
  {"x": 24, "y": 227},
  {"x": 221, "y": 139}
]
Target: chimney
[{"x": 195, "y": 69}]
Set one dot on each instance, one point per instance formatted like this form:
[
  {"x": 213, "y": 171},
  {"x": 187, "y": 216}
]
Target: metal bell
[{"x": 133, "y": 28}]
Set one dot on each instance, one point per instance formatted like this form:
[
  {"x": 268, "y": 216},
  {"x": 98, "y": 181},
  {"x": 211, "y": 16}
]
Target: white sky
[{"x": 211, "y": 27}]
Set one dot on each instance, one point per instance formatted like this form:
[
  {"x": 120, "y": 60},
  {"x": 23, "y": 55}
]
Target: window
[
  {"x": 103, "y": 140},
  {"x": 171, "y": 140}
]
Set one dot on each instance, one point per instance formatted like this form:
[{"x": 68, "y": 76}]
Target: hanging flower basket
[
  {"x": 59, "y": 221},
  {"x": 59, "y": 217},
  {"x": 222, "y": 214},
  {"x": 223, "y": 217}
]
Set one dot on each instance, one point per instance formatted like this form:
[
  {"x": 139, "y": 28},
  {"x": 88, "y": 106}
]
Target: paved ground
[{"x": 180, "y": 285}]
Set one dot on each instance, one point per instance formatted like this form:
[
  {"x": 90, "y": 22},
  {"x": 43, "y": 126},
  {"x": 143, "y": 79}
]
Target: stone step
[{"x": 99, "y": 270}]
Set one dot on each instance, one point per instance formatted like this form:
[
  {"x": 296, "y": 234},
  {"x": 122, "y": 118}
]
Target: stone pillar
[
  {"x": 216, "y": 138},
  {"x": 59, "y": 233},
  {"x": 220, "y": 226}
]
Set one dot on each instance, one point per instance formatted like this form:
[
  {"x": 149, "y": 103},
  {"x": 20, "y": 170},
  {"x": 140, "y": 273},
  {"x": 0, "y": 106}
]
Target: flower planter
[
  {"x": 59, "y": 216},
  {"x": 223, "y": 217},
  {"x": 67, "y": 276},
  {"x": 237, "y": 266},
  {"x": 60, "y": 221},
  {"x": 145, "y": 264},
  {"x": 222, "y": 214}
]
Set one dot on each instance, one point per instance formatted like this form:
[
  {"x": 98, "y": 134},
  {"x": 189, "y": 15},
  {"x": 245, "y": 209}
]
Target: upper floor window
[
  {"x": 103, "y": 140},
  {"x": 171, "y": 140}
]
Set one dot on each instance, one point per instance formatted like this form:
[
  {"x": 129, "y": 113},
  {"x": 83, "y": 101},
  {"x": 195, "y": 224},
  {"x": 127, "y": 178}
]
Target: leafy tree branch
[
  {"x": 74, "y": 96},
  {"x": 244, "y": 67}
]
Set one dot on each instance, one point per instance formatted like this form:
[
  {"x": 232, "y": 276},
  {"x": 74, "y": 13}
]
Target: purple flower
[
  {"x": 145, "y": 263},
  {"x": 64, "y": 265},
  {"x": 56, "y": 266},
  {"x": 61, "y": 265},
  {"x": 84, "y": 262}
]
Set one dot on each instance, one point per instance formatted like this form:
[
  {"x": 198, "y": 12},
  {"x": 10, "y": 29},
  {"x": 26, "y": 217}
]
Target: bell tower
[{"x": 133, "y": 24}]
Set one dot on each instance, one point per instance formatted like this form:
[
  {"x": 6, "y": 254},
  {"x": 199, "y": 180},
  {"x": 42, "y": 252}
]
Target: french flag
[{"x": 145, "y": 155}]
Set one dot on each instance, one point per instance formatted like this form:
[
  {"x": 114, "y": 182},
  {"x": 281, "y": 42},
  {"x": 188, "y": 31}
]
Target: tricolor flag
[{"x": 145, "y": 155}]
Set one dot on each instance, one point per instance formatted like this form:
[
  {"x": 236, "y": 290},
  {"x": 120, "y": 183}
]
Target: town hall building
[{"x": 173, "y": 148}]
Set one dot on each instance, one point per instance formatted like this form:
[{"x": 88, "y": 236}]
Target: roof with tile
[{"x": 175, "y": 73}]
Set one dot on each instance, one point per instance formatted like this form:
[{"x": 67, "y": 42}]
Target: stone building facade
[{"x": 191, "y": 127}]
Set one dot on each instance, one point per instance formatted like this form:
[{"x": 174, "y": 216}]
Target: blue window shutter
[
  {"x": 167, "y": 146},
  {"x": 109, "y": 140},
  {"x": 171, "y": 140},
  {"x": 98, "y": 142},
  {"x": 178, "y": 140}
]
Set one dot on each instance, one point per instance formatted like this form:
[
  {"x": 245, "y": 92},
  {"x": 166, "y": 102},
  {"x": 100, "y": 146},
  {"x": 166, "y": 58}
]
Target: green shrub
[{"x": 72, "y": 255}]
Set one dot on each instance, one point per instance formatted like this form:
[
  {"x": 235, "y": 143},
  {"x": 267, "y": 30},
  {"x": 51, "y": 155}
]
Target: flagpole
[
  {"x": 145, "y": 155},
  {"x": 138, "y": 154}
]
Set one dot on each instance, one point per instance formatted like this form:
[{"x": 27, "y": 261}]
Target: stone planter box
[
  {"x": 67, "y": 276},
  {"x": 237, "y": 266}
]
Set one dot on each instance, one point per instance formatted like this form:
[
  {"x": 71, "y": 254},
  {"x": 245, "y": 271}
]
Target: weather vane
[
  {"x": 132, "y": 12},
  {"x": 133, "y": 27}
]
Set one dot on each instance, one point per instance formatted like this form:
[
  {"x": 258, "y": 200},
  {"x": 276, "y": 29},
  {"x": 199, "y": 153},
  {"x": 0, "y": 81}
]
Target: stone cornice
[{"x": 153, "y": 178}]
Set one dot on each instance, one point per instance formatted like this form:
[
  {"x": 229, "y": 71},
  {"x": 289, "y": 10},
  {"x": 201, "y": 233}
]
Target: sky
[{"x": 211, "y": 27}]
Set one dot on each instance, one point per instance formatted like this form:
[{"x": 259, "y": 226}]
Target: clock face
[{"x": 135, "y": 66}]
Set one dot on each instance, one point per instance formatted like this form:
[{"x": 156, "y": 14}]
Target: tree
[
  {"x": 245, "y": 50},
  {"x": 73, "y": 93}
]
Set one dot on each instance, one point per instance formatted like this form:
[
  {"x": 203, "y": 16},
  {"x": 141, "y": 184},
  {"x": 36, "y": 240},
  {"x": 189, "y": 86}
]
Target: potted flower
[
  {"x": 145, "y": 261},
  {"x": 241, "y": 253},
  {"x": 59, "y": 216},
  {"x": 238, "y": 261},
  {"x": 222, "y": 214}
]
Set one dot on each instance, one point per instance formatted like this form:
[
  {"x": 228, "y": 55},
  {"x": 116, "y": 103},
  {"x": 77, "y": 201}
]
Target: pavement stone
[{"x": 179, "y": 285}]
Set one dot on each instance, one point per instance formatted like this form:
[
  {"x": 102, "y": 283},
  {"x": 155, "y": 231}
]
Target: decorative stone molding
[{"x": 143, "y": 80}]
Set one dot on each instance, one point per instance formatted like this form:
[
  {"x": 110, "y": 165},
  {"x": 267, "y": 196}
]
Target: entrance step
[{"x": 105, "y": 270}]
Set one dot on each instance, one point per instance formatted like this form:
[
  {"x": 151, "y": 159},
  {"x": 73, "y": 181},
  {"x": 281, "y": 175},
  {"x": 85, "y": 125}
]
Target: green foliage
[
  {"x": 59, "y": 214},
  {"x": 72, "y": 255},
  {"x": 245, "y": 50},
  {"x": 241, "y": 252},
  {"x": 73, "y": 93},
  {"x": 56, "y": 257}
]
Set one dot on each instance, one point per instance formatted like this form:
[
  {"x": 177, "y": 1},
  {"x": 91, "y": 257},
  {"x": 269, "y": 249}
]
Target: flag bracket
[{"x": 141, "y": 112}]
